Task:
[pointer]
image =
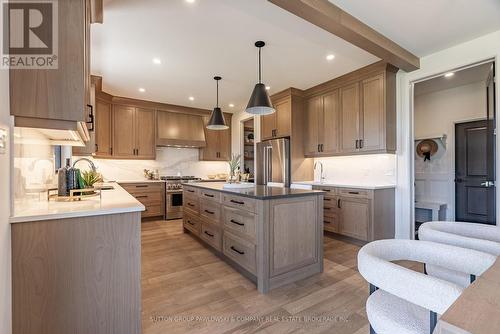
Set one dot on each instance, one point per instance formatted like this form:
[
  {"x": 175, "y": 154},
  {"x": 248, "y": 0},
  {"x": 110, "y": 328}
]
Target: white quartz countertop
[
  {"x": 360, "y": 185},
  {"x": 112, "y": 201}
]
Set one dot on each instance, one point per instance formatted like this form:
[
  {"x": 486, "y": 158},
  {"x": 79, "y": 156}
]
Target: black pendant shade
[
  {"x": 260, "y": 103},
  {"x": 217, "y": 121}
]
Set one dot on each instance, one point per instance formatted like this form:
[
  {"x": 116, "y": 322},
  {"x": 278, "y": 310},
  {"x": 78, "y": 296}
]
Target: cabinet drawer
[
  {"x": 152, "y": 211},
  {"x": 240, "y": 222},
  {"x": 210, "y": 194},
  {"x": 329, "y": 191},
  {"x": 239, "y": 202},
  {"x": 212, "y": 235},
  {"x": 143, "y": 187},
  {"x": 331, "y": 223},
  {"x": 357, "y": 193},
  {"x": 190, "y": 190},
  {"x": 210, "y": 210},
  {"x": 192, "y": 224},
  {"x": 330, "y": 202},
  {"x": 329, "y": 212},
  {"x": 240, "y": 251},
  {"x": 153, "y": 198},
  {"x": 192, "y": 204}
]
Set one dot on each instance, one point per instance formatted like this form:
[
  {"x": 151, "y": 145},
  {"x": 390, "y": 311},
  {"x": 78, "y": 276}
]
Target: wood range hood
[{"x": 180, "y": 130}]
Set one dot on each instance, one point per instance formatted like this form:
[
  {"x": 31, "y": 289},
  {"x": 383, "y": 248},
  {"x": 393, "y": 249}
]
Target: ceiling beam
[{"x": 331, "y": 18}]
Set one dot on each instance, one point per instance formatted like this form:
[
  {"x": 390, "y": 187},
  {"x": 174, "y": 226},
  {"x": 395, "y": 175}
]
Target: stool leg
[
  {"x": 373, "y": 288},
  {"x": 433, "y": 321}
]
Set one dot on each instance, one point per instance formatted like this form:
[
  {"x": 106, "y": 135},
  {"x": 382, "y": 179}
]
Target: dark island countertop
[{"x": 258, "y": 191}]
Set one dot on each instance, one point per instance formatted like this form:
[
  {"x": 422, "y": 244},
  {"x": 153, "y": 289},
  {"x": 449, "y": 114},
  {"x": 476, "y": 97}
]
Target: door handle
[
  {"x": 361, "y": 143},
  {"x": 236, "y": 223},
  {"x": 322, "y": 150},
  {"x": 357, "y": 143},
  {"x": 488, "y": 184},
  {"x": 338, "y": 204},
  {"x": 237, "y": 251},
  {"x": 318, "y": 147}
]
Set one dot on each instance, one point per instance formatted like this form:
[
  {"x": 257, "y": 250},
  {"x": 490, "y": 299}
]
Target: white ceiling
[
  {"x": 426, "y": 26},
  {"x": 466, "y": 76},
  {"x": 212, "y": 37}
]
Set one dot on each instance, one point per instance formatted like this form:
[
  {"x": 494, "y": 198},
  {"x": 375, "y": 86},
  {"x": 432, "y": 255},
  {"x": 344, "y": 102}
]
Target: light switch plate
[{"x": 3, "y": 140}]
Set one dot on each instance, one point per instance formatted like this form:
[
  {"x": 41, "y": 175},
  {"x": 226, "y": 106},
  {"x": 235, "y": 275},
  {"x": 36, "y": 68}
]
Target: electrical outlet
[{"x": 3, "y": 141}]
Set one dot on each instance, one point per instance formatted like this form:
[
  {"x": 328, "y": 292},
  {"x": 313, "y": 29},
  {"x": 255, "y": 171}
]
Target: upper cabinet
[
  {"x": 277, "y": 124},
  {"x": 218, "y": 142},
  {"x": 133, "y": 133},
  {"x": 57, "y": 98},
  {"x": 353, "y": 114},
  {"x": 288, "y": 121}
]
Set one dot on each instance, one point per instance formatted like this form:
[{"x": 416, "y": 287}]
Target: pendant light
[
  {"x": 260, "y": 103},
  {"x": 217, "y": 121}
]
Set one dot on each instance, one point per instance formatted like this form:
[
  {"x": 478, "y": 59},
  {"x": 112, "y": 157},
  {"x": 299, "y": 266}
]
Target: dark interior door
[{"x": 474, "y": 185}]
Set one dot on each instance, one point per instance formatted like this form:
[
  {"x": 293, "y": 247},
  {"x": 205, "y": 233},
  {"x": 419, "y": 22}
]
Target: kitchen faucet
[
  {"x": 91, "y": 164},
  {"x": 321, "y": 177}
]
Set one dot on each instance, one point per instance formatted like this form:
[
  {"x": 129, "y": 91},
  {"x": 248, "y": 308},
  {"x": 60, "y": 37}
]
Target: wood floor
[{"x": 187, "y": 289}]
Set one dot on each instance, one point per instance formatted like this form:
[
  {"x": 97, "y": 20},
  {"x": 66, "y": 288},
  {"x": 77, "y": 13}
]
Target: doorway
[{"x": 454, "y": 147}]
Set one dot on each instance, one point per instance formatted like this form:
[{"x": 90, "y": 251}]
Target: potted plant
[{"x": 234, "y": 165}]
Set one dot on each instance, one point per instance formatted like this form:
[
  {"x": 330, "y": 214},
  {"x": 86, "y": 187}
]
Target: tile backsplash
[
  {"x": 169, "y": 161},
  {"x": 369, "y": 169}
]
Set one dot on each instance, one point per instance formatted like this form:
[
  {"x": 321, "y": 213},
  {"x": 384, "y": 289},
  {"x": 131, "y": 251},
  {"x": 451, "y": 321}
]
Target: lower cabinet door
[
  {"x": 355, "y": 217},
  {"x": 240, "y": 251},
  {"x": 211, "y": 234}
]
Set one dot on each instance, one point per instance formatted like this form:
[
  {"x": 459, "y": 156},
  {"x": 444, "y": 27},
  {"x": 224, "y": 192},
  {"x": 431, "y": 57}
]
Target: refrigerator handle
[{"x": 267, "y": 164}]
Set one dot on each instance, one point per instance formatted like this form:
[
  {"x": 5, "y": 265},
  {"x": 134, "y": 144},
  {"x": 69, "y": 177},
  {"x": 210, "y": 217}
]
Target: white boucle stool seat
[
  {"x": 480, "y": 237},
  {"x": 403, "y": 293},
  {"x": 389, "y": 314}
]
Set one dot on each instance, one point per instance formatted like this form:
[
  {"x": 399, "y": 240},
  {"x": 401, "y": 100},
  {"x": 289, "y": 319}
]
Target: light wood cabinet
[
  {"x": 363, "y": 214},
  {"x": 133, "y": 133},
  {"x": 355, "y": 217},
  {"x": 353, "y": 114},
  {"x": 218, "y": 142},
  {"x": 103, "y": 138},
  {"x": 145, "y": 125},
  {"x": 278, "y": 124},
  {"x": 322, "y": 124},
  {"x": 151, "y": 195}
]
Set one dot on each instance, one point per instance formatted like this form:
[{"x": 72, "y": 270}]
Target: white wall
[
  {"x": 437, "y": 113},
  {"x": 169, "y": 161},
  {"x": 5, "y": 254},
  {"x": 479, "y": 49}
]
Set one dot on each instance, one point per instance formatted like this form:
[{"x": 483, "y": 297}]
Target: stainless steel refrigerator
[{"x": 273, "y": 161}]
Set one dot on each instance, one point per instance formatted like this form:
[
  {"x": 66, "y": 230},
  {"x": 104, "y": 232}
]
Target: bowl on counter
[
  {"x": 211, "y": 176},
  {"x": 222, "y": 176}
]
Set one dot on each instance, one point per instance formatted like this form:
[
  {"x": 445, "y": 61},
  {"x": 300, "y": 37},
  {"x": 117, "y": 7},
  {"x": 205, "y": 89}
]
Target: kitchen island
[
  {"x": 272, "y": 235},
  {"x": 76, "y": 266}
]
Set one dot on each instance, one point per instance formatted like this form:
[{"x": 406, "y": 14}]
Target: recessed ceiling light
[
  {"x": 330, "y": 57},
  {"x": 191, "y": 98},
  {"x": 268, "y": 88},
  {"x": 190, "y": 1},
  {"x": 231, "y": 105},
  {"x": 157, "y": 61},
  {"x": 449, "y": 74},
  {"x": 142, "y": 90}
]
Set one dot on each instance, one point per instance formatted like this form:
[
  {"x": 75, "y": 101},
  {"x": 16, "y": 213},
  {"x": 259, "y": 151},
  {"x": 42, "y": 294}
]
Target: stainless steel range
[{"x": 173, "y": 188}]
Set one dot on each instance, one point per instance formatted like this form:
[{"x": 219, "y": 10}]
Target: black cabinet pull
[
  {"x": 209, "y": 212},
  {"x": 191, "y": 204},
  {"x": 354, "y": 192},
  {"x": 144, "y": 196},
  {"x": 208, "y": 195},
  {"x": 237, "y": 202},
  {"x": 318, "y": 147},
  {"x": 237, "y": 223},
  {"x": 209, "y": 234},
  {"x": 326, "y": 208},
  {"x": 361, "y": 143},
  {"x": 327, "y": 199},
  {"x": 327, "y": 190},
  {"x": 338, "y": 204},
  {"x": 141, "y": 186},
  {"x": 322, "y": 148},
  {"x": 357, "y": 143},
  {"x": 190, "y": 223},
  {"x": 237, "y": 251},
  {"x": 189, "y": 190},
  {"x": 326, "y": 222}
]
